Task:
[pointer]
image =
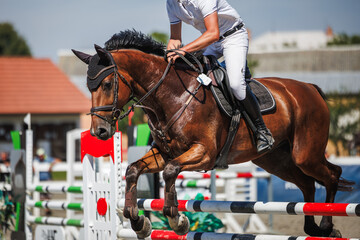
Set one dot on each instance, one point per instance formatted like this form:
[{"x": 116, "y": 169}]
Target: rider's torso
[{"x": 193, "y": 13}]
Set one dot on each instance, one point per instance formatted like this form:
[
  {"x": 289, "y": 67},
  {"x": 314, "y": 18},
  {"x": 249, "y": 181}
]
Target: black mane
[{"x": 131, "y": 39}]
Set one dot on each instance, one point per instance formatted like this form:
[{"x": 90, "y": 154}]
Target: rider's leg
[
  {"x": 263, "y": 135},
  {"x": 235, "y": 53}
]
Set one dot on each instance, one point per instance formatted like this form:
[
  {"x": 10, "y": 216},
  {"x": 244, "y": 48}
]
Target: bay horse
[{"x": 189, "y": 130}]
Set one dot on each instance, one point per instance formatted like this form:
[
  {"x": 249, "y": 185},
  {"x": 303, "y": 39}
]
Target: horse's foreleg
[
  {"x": 150, "y": 163},
  {"x": 194, "y": 159},
  {"x": 179, "y": 223}
]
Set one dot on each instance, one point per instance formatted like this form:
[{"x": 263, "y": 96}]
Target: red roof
[{"x": 29, "y": 85}]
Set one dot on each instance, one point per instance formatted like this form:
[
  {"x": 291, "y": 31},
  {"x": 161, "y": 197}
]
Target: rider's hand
[
  {"x": 172, "y": 56},
  {"x": 173, "y": 44}
]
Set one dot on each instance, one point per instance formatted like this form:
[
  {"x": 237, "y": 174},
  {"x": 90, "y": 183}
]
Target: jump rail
[
  {"x": 56, "y": 189},
  {"x": 223, "y": 175},
  {"x": 57, "y": 205},
  {"x": 160, "y": 234},
  {"x": 204, "y": 183},
  {"x": 285, "y": 208},
  {"x": 56, "y": 221}
]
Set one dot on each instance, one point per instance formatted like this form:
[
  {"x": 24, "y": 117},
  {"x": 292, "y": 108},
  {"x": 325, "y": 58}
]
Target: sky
[{"x": 49, "y": 25}]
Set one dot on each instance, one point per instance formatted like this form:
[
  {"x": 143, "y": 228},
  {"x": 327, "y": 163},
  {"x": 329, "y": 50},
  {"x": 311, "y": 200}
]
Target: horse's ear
[
  {"x": 82, "y": 56},
  {"x": 103, "y": 54},
  {"x": 98, "y": 48}
]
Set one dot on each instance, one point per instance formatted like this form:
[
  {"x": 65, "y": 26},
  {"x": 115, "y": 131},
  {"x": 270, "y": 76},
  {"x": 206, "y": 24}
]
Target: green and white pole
[
  {"x": 56, "y": 189},
  {"x": 56, "y": 205},
  {"x": 56, "y": 221}
]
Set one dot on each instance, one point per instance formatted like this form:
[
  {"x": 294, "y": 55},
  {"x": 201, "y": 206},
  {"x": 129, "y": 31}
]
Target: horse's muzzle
[{"x": 102, "y": 131}]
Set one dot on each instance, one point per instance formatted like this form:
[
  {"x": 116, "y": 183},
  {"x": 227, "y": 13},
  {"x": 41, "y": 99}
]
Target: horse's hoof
[
  {"x": 131, "y": 212},
  {"x": 180, "y": 224},
  {"x": 145, "y": 231},
  {"x": 335, "y": 233}
]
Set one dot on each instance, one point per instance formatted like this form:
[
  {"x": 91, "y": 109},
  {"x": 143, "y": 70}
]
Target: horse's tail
[
  {"x": 345, "y": 185},
  {"x": 320, "y": 91}
]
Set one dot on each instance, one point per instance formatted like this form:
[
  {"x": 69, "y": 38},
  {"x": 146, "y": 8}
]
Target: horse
[{"x": 189, "y": 130}]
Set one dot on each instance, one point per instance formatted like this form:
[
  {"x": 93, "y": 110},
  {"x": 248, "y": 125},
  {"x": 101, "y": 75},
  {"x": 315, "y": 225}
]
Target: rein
[
  {"x": 198, "y": 70},
  {"x": 137, "y": 103}
]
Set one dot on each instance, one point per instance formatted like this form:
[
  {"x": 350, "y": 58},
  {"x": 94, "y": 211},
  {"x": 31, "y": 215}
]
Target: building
[
  {"x": 39, "y": 87},
  {"x": 334, "y": 69},
  {"x": 305, "y": 56},
  {"x": 75, "y": 69},
  {"x": 291, "y": 40}
]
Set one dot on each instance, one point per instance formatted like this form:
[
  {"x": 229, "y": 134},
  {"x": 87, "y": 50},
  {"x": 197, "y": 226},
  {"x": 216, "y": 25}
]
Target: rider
[{"x": 223, "y": 33}]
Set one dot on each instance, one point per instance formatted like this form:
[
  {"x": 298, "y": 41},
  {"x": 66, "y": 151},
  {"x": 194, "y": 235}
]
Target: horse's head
[{"x": 108, "y": 94}]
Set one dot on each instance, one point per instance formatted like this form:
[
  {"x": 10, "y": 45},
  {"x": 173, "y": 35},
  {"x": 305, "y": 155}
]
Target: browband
[{"x": 102, "y": 70}]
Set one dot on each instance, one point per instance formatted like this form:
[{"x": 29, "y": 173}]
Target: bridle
[
  {"x": 113, "y": 108},
  {"x": 115, "y": 111}
]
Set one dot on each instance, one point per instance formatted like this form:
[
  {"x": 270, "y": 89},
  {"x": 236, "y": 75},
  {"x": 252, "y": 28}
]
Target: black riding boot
[{"x": 263, "y": 135}]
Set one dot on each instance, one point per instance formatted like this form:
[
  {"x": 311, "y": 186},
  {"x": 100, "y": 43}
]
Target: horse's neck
[{"x": 146, "y": 71}]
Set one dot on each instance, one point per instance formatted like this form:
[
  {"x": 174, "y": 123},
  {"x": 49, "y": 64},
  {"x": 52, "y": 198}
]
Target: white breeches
[{"x": 234, "y": 48}]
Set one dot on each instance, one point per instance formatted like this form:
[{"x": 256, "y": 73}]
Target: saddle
[{"x": 226, "y": 101}]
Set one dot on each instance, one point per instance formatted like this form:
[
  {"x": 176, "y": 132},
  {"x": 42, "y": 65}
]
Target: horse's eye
[{"x": 107, "y": 85}]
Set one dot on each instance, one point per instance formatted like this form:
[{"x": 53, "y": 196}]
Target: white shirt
[{"x": 193, "y": 12}]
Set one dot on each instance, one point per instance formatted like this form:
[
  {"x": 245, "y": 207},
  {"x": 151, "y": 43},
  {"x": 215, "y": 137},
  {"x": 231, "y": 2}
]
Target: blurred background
[
  {"x": 311, "y": 41},
  {"x": 315, "y": 41}
]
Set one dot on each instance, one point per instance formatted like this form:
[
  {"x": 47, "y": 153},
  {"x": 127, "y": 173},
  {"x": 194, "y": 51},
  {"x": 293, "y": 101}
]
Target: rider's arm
[
  {"x": 175, "y": 36},
  {"x": 210, "y": 36}
]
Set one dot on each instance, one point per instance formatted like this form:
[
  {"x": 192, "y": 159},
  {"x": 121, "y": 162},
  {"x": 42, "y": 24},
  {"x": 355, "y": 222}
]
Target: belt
[{"x": 231, "y": 31}]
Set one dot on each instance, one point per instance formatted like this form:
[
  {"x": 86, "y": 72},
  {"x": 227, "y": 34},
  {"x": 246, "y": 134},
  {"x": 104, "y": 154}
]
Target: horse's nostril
[{"x": 102, "y": 133}]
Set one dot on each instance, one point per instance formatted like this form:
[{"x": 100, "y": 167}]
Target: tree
[
  {"x": 252, "y": 64},
  {"x": 160, "y": 37},
  {"x": 344, "y": 39},
  {"x": 11, "y": 44},
  {"x": 344, "y": 119},
  {"x": 137, "y": 117}
]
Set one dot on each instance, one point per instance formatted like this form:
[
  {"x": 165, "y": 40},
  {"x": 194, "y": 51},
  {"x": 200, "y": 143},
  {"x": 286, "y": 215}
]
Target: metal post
[
  {"x": 270, "y": 199},
  {"x": 213, "y": 185}
]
